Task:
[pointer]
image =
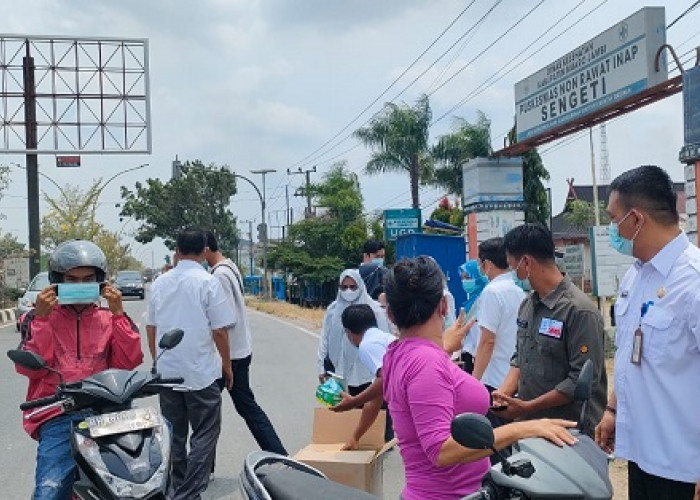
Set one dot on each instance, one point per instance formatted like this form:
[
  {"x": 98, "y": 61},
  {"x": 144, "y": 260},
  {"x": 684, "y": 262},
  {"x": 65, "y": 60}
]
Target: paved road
[{"x": 283, "y": 378}]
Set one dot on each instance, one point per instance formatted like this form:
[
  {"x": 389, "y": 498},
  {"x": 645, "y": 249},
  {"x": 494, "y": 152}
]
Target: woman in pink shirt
[{"x": 425, "y": 390}]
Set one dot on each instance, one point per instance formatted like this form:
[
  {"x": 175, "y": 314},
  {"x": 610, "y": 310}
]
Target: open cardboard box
[{"x": 360, "y": 469}]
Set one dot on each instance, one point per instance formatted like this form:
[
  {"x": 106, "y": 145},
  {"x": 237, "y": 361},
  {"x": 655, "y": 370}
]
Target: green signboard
[{"x": 401, "y": 221}]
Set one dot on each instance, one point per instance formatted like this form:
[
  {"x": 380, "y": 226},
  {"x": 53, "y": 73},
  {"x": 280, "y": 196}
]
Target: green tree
[
  {"x": 71, "y": 215},
  {"x": 9, "y": 246},
  {"x": 453, "y": 150},
  {"x": 537, "y": 207},
  {"x": 399, "y": 136},
  {"x": 319, "y": 248},
  {"x": 199, "y": 197},
  {"x": 579, "y": 213}
]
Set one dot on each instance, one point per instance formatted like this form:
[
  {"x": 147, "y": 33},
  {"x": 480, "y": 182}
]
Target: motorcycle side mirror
[
  {"x": 32, "y": 361},
  {"x": 27, "y": 359},
  {"x": 583, "y": 390},
  {"x": 171, "y": 338},
  {"x": 584, "y": 384},
  {"x": 472, "y": 431}
]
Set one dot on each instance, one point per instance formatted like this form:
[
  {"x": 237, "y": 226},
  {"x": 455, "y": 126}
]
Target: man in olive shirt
[{"x": 559, "y": 328}]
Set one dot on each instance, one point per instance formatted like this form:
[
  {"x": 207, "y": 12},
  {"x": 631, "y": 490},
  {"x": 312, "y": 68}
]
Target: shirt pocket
[
  {"x": 657, "y": 325},
  {"x": 623, "y": 320}
]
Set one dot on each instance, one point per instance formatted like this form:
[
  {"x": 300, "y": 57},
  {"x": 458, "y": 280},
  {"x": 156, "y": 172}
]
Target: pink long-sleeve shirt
[{"x": 425, "y": 390}]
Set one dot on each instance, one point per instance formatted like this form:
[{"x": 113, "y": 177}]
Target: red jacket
[{"x": 77, "y": 345}]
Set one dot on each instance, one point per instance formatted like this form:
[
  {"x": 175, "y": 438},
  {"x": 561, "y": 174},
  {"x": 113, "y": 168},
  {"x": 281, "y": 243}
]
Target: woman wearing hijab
[
  {"x": 335, "y": 352},
  {"x": 473, "y": 283}
]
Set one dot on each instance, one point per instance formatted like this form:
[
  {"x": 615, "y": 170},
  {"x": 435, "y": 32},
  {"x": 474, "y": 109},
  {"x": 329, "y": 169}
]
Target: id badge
[{"x": 637, "y": 347}]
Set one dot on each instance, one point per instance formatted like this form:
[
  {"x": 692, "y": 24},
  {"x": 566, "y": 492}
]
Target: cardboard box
[{"x": 360, "y": 469}]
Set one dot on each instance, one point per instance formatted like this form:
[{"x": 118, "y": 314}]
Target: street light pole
[
  {"x": 99, "y": 191},
  {"x": 264, "y": 172}
]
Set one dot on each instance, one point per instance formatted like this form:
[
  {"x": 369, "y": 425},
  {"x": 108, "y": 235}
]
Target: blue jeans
[{"x": 55, "y": 467}]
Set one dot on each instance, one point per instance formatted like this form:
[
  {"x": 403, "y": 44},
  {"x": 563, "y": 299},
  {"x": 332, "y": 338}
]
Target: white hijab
[{"x": 340, "y": 351}]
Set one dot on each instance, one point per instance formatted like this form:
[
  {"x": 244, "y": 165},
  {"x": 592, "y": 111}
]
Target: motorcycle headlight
[{"x": 122, "y": 488}]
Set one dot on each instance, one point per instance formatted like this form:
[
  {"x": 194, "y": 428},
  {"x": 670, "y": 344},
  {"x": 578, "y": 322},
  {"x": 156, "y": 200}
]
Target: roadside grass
[{"x": 311, "y": 317}]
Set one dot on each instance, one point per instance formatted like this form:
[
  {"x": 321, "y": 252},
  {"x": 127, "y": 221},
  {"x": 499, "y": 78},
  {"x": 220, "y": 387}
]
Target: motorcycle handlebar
[{"x": 35, "y": 403}]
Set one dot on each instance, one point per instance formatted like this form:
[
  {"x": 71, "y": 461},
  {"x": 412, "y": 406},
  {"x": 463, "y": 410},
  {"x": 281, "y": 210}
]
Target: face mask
[
  {"x": 470, "y": 286},
  {"x": 524, "y": 284},
  {"x": 622, "y": 245},
  {"x": 350, "y": 295},
  {"x": 78, "y": 293},
  {"x": 378, "y": 260}
]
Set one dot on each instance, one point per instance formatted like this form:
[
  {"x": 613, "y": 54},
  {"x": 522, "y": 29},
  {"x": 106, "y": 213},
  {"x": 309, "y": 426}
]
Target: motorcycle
[
  {"x": 269, "y": 476},
  {"x": 539, "y": 469},
  {"x": 121, "y": 452}
]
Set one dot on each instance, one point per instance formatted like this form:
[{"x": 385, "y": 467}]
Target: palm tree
[
  {"x": 399, "y": 136},
  {"x": 453, "y": 150}
]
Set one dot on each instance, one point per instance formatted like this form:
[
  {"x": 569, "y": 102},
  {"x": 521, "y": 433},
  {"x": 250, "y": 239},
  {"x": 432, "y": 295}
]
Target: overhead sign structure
[
  {"x": 493, "y": 184},
  {"x": 691, "y": 115},
  {"x": 82, "y": 95},
  {"x": 608, "y": 266},
  {"x": 611, "y": 67},
  {"x": 401, "y": 221}
]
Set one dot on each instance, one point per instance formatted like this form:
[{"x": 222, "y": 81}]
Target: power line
[
  {"x": 396, "y": 80},
  {"x": 483, "y": 86},
  {"x": 512, "y": 27},
  {"x": 687, "y": 11}
]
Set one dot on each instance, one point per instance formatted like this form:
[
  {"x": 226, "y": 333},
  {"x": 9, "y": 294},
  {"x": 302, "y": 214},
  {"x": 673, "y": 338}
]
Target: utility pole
[
  {"x": 263, "y": 231},
  {"x": 250, "y": 244},
  {"x": 31, "y": 141},
  {"x": 307, "y": 190}
]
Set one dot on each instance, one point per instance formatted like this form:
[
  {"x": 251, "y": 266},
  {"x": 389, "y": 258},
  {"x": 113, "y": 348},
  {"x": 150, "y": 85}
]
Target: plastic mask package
[{"x": 328, "y": 393}]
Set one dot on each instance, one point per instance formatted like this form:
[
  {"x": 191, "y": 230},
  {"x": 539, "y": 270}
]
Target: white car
[{"x": 26, "y": 301}]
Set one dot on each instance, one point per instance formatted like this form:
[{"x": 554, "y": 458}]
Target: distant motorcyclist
[{"x": 78, "y": 339}]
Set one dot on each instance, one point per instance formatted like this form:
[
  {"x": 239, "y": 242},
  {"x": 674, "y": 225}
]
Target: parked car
[
  {"x": 26, "y": 301},
  {"x": 130, "y": 283}
]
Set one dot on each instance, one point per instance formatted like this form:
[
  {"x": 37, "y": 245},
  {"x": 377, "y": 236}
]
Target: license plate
[{"x": 123, "y": 421}]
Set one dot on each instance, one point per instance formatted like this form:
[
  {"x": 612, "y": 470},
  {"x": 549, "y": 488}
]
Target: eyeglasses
[{"x": 347, "y": 287}]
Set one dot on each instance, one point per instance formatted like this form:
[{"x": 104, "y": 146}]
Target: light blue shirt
[{"x": 658, "y": 401}]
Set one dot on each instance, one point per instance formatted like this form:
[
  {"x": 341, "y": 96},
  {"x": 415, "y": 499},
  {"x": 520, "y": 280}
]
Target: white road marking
[{"x": 301, "y": 329}]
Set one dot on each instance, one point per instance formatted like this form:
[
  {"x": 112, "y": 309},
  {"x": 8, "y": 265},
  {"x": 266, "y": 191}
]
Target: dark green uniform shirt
[{"x": 556, "y": 335}]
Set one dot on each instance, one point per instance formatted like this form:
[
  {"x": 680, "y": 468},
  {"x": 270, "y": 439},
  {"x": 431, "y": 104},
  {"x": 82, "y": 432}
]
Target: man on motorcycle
[{"x": 76, "y": 338}]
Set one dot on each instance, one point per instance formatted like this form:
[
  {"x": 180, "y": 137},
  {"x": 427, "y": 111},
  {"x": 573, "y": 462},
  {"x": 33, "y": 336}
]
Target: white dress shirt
[
  {"x": 658, "y": 400},
  {"x": 239, "y": 337},
  {"x": 498, "y": 307},
  {"x": 189, "y": 298}
]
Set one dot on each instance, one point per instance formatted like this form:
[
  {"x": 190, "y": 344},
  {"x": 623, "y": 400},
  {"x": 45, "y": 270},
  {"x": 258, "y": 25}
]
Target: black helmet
[{"x": 76, "y": 253}]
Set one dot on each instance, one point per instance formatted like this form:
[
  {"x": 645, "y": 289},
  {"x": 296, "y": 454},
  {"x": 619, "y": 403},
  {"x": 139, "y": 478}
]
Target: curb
[{"x": 7, "y": 315}]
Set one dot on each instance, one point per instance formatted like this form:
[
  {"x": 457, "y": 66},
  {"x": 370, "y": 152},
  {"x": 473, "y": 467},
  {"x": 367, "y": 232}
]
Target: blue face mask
[
  {"x": 622, "y": 245},
  {"x": 470, "y": 286},
  {"x": 378, "y": 260},
  {"x": 78, "y": 293},
  {"x": 524, "y": 284}
]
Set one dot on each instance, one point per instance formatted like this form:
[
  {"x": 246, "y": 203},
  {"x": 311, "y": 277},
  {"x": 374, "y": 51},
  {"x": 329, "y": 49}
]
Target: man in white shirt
[
  {"x": 189, "y": 298},
  {"x": 497, "y": 316},
  {"x": 360, "y": 325},
  {"x": 652, "y": 418},
  {"x": 241, "y": 350}
]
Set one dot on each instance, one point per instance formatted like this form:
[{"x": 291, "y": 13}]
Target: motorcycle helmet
[{"x": 76, "y": 253}]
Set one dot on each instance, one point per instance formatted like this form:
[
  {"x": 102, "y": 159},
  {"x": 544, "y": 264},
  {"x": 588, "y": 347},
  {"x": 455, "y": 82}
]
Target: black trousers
[
  {"x": 255, "y": 418},
  {"x": 644, "y": 486},
  {"x": 200, "y": 410},
  {"x": 354, "y": 390}
]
